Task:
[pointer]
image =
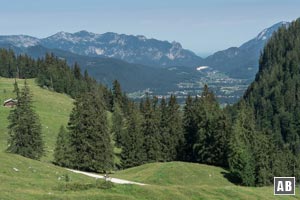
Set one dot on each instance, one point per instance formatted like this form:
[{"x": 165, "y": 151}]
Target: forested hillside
[{"x": 268, "y": 115}]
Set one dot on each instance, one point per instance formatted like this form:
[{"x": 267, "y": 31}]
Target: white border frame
[{"x": 285, "y": 194}]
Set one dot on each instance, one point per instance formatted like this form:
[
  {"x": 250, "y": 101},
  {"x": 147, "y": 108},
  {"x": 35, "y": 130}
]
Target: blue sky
[{"x": 203, "y": 26}]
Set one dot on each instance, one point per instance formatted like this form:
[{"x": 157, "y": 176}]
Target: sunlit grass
[
  {"x": 22, "y": 178},
  {"x": 53, "y": 109}
]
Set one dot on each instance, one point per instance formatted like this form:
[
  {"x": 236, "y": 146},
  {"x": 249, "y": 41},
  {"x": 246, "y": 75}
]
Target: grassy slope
[
  {"x": 170, "y": 181},
  {"x": 39, "y": 180},
  {"x": 52, "y": 108},
  {"x": 195, "y": 181}
]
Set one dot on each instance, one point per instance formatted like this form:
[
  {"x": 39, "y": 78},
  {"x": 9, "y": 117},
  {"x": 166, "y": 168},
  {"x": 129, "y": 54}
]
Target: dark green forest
[
  {"x": 256, "y": 139},
  {"x": 273, "y": 99}
]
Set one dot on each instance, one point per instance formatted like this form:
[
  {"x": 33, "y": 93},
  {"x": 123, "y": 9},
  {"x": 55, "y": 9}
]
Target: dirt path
[{"x": 114, "y": 180}]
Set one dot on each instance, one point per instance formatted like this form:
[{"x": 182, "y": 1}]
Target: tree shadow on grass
[{"x": 231, "y": 178}]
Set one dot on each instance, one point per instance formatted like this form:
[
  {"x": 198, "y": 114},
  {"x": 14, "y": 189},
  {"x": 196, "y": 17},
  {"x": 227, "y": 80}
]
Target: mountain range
[
  {"x": 141, "y": 63},
  {"x": 240, "y": 62},
  {"x": 132, "y": 49}
]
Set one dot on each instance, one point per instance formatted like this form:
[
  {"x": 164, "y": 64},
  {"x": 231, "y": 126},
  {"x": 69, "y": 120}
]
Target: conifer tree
[
  {"x": 90, "y": 142},
  {"x": 175, "y": 129},
  {"x": 25, "y": 134},
  {"x": 117, "y": 124},
  {"x": 117, "y": 93},
  {"x": 133, "y": 153},
  {"x": 212, "y": 134},
  {"x": 77, "y": 71},
  {"x": 62, "y": 148},
  {"x": 190, "y": 129},
  {"x": 241, "y": 158},
  {"x": 264, "y": 153},
  {"x": 150, "y": 128},
  {"x": 164, "y": 131}
]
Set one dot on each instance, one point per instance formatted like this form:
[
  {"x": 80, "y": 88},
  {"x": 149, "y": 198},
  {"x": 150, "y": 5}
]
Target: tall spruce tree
[
  {"x": 62, "y": 148},
  {"x": 241, "y": 158},
  {"x": 175, "y": 130},
  {"x": 90, "y": 142},
  {"x": 190, "y": 129},
  {"x": 150, "y": 128},
  {"x": 117, "y": 124},
  {"x": 210, "y": 146},
  {"x": 264, "y": 153},
  {"x": 117, "y": 93},
  {"x": 133, "y": 153},
  {"x": 164, "y": 131},
  {"x": 25, "y": 132}
]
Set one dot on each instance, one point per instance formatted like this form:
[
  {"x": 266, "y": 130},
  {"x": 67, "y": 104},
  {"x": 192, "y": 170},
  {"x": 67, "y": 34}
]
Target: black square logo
[{"x": 284, "y": 185}]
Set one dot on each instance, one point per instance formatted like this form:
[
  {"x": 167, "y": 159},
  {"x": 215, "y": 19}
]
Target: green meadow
[{"x": 22, "y": 178}]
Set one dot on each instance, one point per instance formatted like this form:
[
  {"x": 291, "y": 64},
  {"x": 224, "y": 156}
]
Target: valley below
[{"x": 228, "y": 90}]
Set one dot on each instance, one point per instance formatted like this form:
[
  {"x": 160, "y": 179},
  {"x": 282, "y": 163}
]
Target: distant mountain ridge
[
  {"x": 132, "y": 49},
  {"x": 237, "y": 62},
  {"x": 21, "y": 41},
  {"x": 140, "y": 63},
  {"x": 242, "y": 62},
  {"x": 133, "y": 77}
]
